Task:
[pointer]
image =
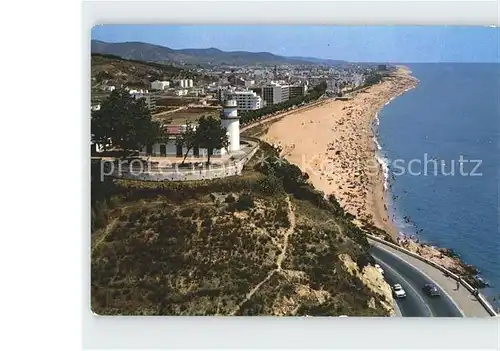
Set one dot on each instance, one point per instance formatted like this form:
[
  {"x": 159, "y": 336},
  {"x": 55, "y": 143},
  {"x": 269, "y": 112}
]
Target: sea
[{"x": 440, "y": 146}]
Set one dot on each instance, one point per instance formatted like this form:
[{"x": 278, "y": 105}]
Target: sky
[{"x": 373, "y": 43}]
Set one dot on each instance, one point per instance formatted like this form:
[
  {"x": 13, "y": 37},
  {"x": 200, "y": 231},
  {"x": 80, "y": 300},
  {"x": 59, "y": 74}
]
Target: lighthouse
[{"x": 231, "y": 121}]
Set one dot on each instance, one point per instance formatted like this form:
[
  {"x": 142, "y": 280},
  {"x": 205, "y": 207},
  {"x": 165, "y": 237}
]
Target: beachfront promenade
[{"x": 468, "y": 305}]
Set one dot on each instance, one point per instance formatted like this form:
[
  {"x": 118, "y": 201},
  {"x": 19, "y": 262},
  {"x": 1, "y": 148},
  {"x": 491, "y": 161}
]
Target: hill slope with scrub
[{"x": 264, "y": 243}]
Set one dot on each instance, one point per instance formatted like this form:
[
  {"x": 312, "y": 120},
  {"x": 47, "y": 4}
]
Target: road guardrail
[{"x": 482, "y": 300}]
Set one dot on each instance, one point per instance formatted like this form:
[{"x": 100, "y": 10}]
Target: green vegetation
[
  {"x": 211, "y": 135},
  {"x": 199, "y": 248},
  {"x": 255, "y": 115},
  {"x": 189, "y": 138},
  {"x": 208, "y": 134},
  {"x": 124, "y": 122},
  {"x": 373, "y": 78},
  {"x": 133, "y": 73}
]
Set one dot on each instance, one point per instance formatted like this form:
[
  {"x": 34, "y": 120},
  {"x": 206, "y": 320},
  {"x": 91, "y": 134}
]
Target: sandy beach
[{"x": 334, "y": 144}]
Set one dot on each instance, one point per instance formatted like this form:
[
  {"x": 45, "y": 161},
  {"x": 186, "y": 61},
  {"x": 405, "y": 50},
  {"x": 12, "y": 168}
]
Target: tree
[
  {"x": 211, "y": 135},
  {"x": 313, "y": 94},
  {"x": 189, "y": 138},
  {"x": 124, "y": 122}
]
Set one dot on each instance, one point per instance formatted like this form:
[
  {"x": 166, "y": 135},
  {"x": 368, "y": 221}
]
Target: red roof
[{"x": 174, "y": 130}]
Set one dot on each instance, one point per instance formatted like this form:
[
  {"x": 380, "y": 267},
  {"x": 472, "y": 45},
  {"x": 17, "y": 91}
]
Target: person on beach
[{"x": 458, "y": 283}]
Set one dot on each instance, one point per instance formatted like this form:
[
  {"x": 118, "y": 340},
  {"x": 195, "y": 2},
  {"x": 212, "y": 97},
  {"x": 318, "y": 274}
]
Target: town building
[
  {"x": 297, "y": 90},
  {"x": 160, "y": 85},
  {"x": 247, "y": 100},
  {"x": 150, "y": 99},
  {"x": 185, "y": 83},
  {"x": 229, "y": 120},
  {"x": 249, "y": 83},
  {"x": 275, "y": 93},
  {"x": 236, "y": 81},
  {"x": 108, "y": 87}
]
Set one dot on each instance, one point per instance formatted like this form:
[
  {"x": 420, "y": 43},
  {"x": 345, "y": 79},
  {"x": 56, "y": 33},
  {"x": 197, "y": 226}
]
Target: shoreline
[
  {"x": 350, "y": 168},
  {"x": 336, "y": 144},
  {"x": 381, "y": 210}
]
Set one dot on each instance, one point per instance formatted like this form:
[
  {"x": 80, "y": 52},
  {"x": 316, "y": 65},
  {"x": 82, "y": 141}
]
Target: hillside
[
  {"x": 264, "y": 243},
  {"x": 132, "y": 73},
  {"x": 157, "y": 53}
]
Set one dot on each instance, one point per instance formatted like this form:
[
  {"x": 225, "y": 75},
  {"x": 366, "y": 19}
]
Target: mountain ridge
[{"x": 137, "y": 50}]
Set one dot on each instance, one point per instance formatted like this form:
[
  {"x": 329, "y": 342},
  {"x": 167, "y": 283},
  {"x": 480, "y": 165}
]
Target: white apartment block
[
  {"x": 185, "y": 83},
  {"x": 137, "y": 91},
  {"x": 160, "y": 85},
  {"x": 297, "y": 90},
  {"x": 247, "y": 100},
  {"x": 249, "y": 83},
  {"x": 149, "y": 99},
  {"x": 275, "y": 93}
]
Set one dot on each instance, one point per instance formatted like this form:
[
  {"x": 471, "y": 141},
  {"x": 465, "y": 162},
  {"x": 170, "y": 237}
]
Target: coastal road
[{"x": 416, "y": 303}]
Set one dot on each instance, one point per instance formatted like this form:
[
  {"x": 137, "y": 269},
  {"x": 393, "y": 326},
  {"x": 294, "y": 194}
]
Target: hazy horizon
[{"x": 398, "y": 44}]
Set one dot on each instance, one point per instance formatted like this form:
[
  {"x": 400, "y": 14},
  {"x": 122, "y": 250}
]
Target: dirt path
[
  {"x": 279, "y": 260},
  {"x": 289, "y": 231}
]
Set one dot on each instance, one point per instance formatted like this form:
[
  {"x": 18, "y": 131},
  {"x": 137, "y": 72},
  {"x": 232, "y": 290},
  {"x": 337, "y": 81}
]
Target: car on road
[
  {"x": 431, "y": 290},
  {"x": 398, "y": 291},
  {"x": 377, "y": 266}
]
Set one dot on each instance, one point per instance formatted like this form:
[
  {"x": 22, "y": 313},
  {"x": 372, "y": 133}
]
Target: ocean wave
[
  {"x": 384, "y": 164},
  {"x": 377, "y": 144},
  {"x": 388, "y": 102}
]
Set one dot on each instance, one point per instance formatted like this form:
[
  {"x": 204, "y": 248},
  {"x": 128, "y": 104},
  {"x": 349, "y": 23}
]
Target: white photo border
[{"x": 270, "y": 332}]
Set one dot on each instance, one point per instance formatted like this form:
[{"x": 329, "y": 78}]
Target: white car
[
  {"x": 399, "y": 292},
  {"x": 377, "y": 266}
]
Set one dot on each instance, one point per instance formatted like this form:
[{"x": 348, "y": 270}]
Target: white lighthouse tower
[{"x": 231, "y": 122}]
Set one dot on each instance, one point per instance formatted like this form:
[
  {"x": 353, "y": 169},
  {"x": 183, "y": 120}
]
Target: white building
[
  {"x": 149, "y": 99},
  {"x": 229, "y": 120},
  {"x": 249, "y": 83},
  {"x": 275, "y": 93},
  {"x": 96, "y": 107},
  {"x": 185, "y": 83},
  {"x": 108, "y": 87},
  {"x": 181, "y": 92},
  {"x": 297, "y": 90},
  {"x": 160, "y": 85},
  {"x": 137, "y": 91},
  {"x": 247, "y": 100},
  {"x": 259, "y": 72}
]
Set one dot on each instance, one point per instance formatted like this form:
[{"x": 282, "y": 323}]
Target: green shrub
[
  {"x": 187, "y": 212},
  {"x": 270, "y": 185},
  {"x": 245, "y": 202},
  {"x": 230, "y": 199}
]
